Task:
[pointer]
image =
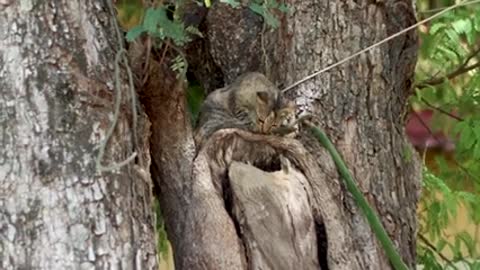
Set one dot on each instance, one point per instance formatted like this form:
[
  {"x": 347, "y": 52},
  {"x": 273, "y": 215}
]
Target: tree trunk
[
  {"x": 360, "y": 105},
  {"x": 57, "y": 83},
  {"x": 216, "y": 201}
]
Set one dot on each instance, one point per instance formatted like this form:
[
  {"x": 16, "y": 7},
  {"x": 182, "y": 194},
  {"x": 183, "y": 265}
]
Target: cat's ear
[{"x": 262, "y": 96}]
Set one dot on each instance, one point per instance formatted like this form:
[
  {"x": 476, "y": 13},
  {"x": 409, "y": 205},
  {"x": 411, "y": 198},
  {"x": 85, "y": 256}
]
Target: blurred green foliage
[
  {"x": 448, "y": 83},
  {"x": 129, "y": 13}
]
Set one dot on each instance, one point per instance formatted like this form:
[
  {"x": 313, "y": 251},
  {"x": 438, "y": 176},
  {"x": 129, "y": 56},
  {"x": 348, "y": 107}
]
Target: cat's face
[
  {"x": 264, "y": 110},
  {"x": 285, "y": 117},
  {"x": 269, "y": 123},
  {"x": 282, "y": 116}
]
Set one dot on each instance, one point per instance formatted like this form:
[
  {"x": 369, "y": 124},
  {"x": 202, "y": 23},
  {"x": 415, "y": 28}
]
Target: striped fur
[{"x": 245, "y": 104}]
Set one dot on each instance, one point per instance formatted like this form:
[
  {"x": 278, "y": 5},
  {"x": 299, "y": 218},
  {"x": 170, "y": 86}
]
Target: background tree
[{"x": 58, "y": 76}]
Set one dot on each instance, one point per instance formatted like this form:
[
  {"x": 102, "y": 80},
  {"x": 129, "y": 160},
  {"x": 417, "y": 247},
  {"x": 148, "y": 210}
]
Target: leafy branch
[
  {"x": 434, "y": 249},
  {"x": 463, "y": 68},
  {"x": 162, "y": 29},
  {"x": 440, "y": 110}
]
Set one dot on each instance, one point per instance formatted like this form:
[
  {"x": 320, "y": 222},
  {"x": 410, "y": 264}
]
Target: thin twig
[
  {"x": 378, "y": 43},
  {"x": 471, "y": 56},
  {"x": 434, "y": 249},
  {"x": 167, "y": 44},
  {"x": 426, "y": 127},
  {"x": 433, "y": 10},
  {"x": 450, "y": 76},
  {"x": 458, "y": 118},
  {"x": 459, "y": 71}
]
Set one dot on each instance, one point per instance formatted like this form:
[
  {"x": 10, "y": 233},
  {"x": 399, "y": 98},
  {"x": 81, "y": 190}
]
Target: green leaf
[
  {"x": 468, "y": 197},
  {"x": 429, "y": 44},
  {"x": 271, "y": 20},
  {"x": 436, "y": 28},
  {"x": 454, "y": 36},
  {"x": 456, "y": 249},
  {"x": 428, "y": 259},
  {"x": 475, "y": 265},
  {"x": 441, "y": 163},
  {"x": 194, "y": 30},
  {"x": 267, "y": 15},
  {"x": 448, "y": 54},
  {"x": 466, "y": 27},
  {"x": 462, "y": 26},
  {"x": 476, "y": 23},
  {"x": 232, "y": 3},
  {"x": 271, "y": 4},
  {"x": 257, "y": 8},
  {"x": 459, "y": 127},
  {"x": 429, "y": 93},
  {"x": 284, "y": 8},
  {"x": 134, "y": 33},
  {"x": 159, "y": 25},
  {"x": 441, "y": 245},
  {"x": 152, "y": 17},
  {"x": 467, "y": 137},
  {"x": 451, "y": 205},
  {"x": 468, "y": 241},
  {"x": 476, "y": 129},
  {"x": 476, "y": 151},
  {"x": 176, "y": 31},
  {"x": 179, "y": 66}
]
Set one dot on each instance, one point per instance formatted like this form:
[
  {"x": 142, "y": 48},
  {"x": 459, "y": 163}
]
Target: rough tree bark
[
  {"x": 360, "y": 105},
  {"x": 56, "y": 105},
  {"x": 213, "y": 202}
]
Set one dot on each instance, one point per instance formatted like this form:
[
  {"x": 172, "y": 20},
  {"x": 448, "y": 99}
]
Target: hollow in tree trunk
[{"x": 215, "y": 209}]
